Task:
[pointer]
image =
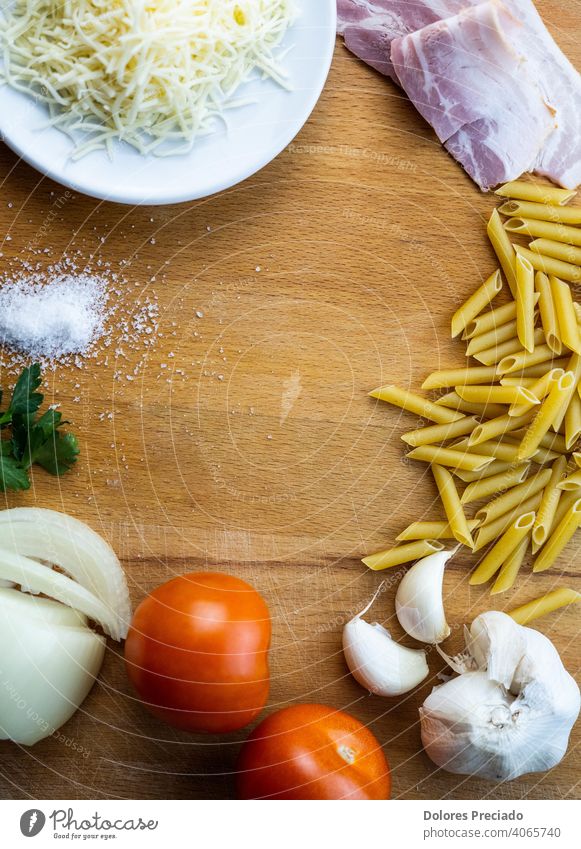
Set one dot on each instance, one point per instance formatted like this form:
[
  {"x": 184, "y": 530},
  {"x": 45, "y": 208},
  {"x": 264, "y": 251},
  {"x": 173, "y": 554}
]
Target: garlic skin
[
  {"x": 512, "y": 711},
  {"x": 377, "y": 662},
  {"x": 419, "y": 605}
]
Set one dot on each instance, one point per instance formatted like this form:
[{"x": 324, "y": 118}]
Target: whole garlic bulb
[{"x": 510, "y": 712}]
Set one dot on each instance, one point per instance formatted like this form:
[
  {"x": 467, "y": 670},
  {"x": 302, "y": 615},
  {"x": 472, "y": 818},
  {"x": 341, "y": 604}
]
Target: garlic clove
[
  {"x": 419, "y": 605},
  {"x": 378, "y": 663},
  {"x": 497, "y": 644}
]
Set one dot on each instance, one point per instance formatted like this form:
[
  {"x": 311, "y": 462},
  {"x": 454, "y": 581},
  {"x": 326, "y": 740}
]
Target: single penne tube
[
  {"x": 449, "y": 457},
  {"x": 513, "y": 497},
  {"x": 496, "y": 467},
  {"x": 490, "y": 320},
  {"x": 546, "y": 415},
  {"x": 493, "y": 530},
  {"x": 402, "y": 554},
  {"x": 503, "y": 248},
  {"x": 509, "y": 380},
  {"x": 525, "y": 302},
  {"x": 550, "y": 265},
  {"x": 452, "y": 506},
  {"x": 566, "y": 317},
  {"x": 577, "y": 458},
  {"x": 497, "y": 427},
  {"x": 500, "y": 450},
  {"x": 431, "y": 530},
  {"x": 537, "y": 192},
  {"x": 492, "y": 338},
  {"x": 496, "y": 394},
  {"x": 422, "y": 407},
  {"x": 485, "y": 487},
  {"x": 557, "y": 250},
  {"x": 453, "y": 400},
  {"x": 440, "y": 433},
  {"x": 502, "y": 549},
  {"x": 493, "y": 355},
  {"x": 545, "y": 604},
  {"x": 548, "y": 313},
  {"x": 574, "y": 366},
  {"x": 544, "y": 230},
  {"x": 540, "y": 369},
  {"x": 511, "y": 566},
  {"x": 541, "y": 211},
  {"x": 559, "y": 538},
  {"x": 573, "y": 421},
  {"x": 577, "y": 308},
  {"x": 539, "y": 390},
  {"x": 549, "y": 503},
  {"x": 523, "y": 359},
  {"x": 571, "y": 483},
  {"x": 568, "y": 498},
  {"x": 460, "y": 376},
  {"x": 482, "y": 297}
]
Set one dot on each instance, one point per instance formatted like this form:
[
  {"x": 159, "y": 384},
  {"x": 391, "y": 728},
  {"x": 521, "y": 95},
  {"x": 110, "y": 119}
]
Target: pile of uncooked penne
[{"x": 503, "y": 436}]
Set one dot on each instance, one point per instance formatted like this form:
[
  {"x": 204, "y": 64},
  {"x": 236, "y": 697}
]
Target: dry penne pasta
[
  {"x": 557, "y": 250},
  {"x": 539, "y": 390},
  {"x": 494, "y": 468},
  {"x": 453, "y": 400},
  {"x": 510, "y": 380},
  {"x": 541, "y": 211},
  {"x": 452, "y": 506},
  {"x": 573, "y": 366},
  {"x": 565, "y": 503},
  {"x": 523, "y": 359},
  {"x": 511, "y": 566},
  {"x": 490, "y": 320},
  {"x": 496, "y": 394},
  {"x": 550, "y": 265},
  {"x": 488, "y": 533},
  {"x": 548, "y": 312},
  {"x": 545, "y": 604},
  {"x": 566, "y": 317},
  {"x": 503, "y": 450},
  {"x": 448, "y": 457},
  {"x": 573, "y": 421},
  {"x": 492, "y": 338},
  {"x": 538, "y": 192},
  {"x": 547, "y": 414},
  {"x": 549, "y": 503},
  {"x": 474, "y": 305},
  {"x": 431, "y": 530},
  {"x": 513, "y": 497},
  {"x": 572, "y": 482},
  {"x": 486, "y": 487},
  {"x": 559, "y": 538},
  {"x": 493, "y": 355},
  {"x": 496, "y": 427},
  {"x": 440, "y": 433},
  {"x": 525, "y": 302},
  {"x": 502, "y": 549},
  {"x": 460, "y": 376},
  {"x": 540, "y": 369},
  {"x": 422, "y": 407},
  {"x": 402, "y": 554},
  {"x": 503, "y": 249},
  {"x": 544, "y": 230}
]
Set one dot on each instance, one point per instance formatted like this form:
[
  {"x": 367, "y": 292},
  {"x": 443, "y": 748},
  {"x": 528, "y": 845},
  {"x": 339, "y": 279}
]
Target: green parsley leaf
[{"x": 12, "y": 475}]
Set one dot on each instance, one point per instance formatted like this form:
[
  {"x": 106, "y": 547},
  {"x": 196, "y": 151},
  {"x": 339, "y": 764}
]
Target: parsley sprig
[{"x": 33, "y": 438}]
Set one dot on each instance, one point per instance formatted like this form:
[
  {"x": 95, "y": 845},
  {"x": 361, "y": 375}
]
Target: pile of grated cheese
[{"x": 148, "y": 72}]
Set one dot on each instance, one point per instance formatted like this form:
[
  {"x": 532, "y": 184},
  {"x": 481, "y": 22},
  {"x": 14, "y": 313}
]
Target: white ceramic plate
[{"x": 255, "y": 134}]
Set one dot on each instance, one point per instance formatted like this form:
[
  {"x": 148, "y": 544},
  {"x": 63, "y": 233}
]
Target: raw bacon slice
[
  {"x": 369, "y": 26},
  {"x": 469, "y": 78}
]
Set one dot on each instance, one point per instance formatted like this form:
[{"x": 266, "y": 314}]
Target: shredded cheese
[{"x": 153, "y": 73}]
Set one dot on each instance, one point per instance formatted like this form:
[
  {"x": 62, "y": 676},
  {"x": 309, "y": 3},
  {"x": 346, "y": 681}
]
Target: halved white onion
[
  {"x": 47, "y": 667},
  {"x": 63, "y": 541}
]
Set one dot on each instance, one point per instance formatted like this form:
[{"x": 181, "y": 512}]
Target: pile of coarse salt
[{"x": 51, "y": 320}]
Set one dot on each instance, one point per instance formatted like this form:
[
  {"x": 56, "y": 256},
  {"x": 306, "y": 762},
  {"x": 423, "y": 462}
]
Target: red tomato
[
  {"x": 197, "y": 652},
  {"x": 312, "y": 752}
]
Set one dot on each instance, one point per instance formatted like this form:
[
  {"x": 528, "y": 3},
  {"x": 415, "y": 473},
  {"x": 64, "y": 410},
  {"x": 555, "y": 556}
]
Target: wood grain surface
[{"x": 246, "y": 441}]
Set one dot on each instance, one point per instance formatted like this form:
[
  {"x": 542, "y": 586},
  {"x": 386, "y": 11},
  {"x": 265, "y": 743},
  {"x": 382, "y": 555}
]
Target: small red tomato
[
  {"x": 312, "y": 752},
  {"x": 197, "y": 652}
]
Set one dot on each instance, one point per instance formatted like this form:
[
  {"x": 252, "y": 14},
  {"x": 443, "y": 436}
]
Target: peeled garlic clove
[
  {"x": 419, "y": 604},
  {"x": 510, "y": 717},
  {"x": 377, "y": 662}
]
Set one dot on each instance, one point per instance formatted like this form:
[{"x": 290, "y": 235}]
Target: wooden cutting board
[{"x": 247, "y": 442}]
